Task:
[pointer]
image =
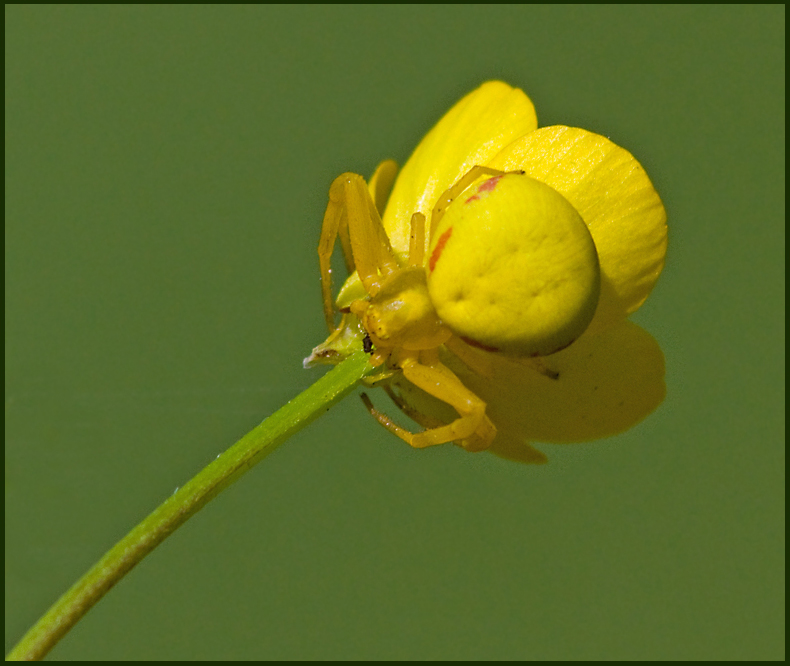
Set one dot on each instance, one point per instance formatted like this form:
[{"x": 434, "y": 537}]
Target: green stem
[{"x": 187, "y": 501}]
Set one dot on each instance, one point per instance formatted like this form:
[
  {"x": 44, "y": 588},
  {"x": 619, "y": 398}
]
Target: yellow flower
[{"x": 611, "y": 376}]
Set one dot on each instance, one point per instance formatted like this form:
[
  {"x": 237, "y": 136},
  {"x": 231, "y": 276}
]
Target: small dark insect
[{"x": 367, "y": 345}]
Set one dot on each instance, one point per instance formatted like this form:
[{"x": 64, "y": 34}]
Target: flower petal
[
  {"x": 600, "y": 386},
  {"x": 605, "y": 384},
  {"x": 470, "y": 133},
  {"x": 380, "y": 183},
  {"x": 614, "y": 196}
]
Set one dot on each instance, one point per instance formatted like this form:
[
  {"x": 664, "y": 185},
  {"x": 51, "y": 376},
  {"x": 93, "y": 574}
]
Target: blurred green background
[{"x": 166, "y": 173}]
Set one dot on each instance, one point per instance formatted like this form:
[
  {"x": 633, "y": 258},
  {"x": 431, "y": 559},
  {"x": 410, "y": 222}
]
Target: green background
[{"x": 166, "y": 173}]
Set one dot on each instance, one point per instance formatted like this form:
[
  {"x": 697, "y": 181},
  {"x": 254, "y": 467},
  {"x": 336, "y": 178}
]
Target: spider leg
[
  {"x": 417, "y": 240},
  {"x": 385, "y": 420},
  {"x": 334, "y": 220},
  {"x": 351, "y": 214},
  {"x": 345, "y": 243},
  {"x": 373, "y": 256},
  {"x": 379, "y": 187},
  {"x": 472, "y": 428},
  {"x": 380, "y": 378},
  {"x": 452, "y": 192}
]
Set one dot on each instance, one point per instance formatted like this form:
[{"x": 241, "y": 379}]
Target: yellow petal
[
  {"x": 380, "y": 183},
  {"x": 512, "y": 449},
  {"x": 614, "y": 196},
  {"x": 600, "y": 386},
  {"x": 470, "y": 133},
  {"x": 606, "y": 383}
]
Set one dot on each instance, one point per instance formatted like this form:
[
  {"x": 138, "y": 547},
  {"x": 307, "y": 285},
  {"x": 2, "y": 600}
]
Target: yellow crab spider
[{"x": 510, "y": 268}]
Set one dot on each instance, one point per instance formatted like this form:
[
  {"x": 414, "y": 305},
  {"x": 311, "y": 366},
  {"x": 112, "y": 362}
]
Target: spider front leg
[
  {"x": 352, "y": 215},
  {"x": 465, "y": 181},
  {"x": 472, "y": 429}
]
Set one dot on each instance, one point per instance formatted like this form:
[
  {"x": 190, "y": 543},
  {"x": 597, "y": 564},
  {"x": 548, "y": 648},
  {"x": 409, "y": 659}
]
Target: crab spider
[{"x": 510, "y": 269}]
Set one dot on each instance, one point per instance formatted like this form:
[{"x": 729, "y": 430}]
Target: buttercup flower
[{"x": 610, "y": 376}]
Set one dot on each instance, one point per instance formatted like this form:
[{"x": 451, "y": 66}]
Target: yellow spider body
[{"x": 510, "y": 267}]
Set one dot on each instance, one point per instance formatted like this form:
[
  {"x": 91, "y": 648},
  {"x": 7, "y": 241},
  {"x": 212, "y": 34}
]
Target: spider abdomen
[{"x": 512, "y": 267}]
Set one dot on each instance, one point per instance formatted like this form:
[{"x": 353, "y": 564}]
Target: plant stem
[{"x": 185, "y": 502}]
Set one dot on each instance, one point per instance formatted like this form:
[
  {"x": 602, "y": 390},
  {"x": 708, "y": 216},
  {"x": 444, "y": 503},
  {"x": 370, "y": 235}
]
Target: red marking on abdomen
[
  {"x": 486, "y": 186},
  {"x": 479, "y": 345},
  {"x": 437, "y": 251}
]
